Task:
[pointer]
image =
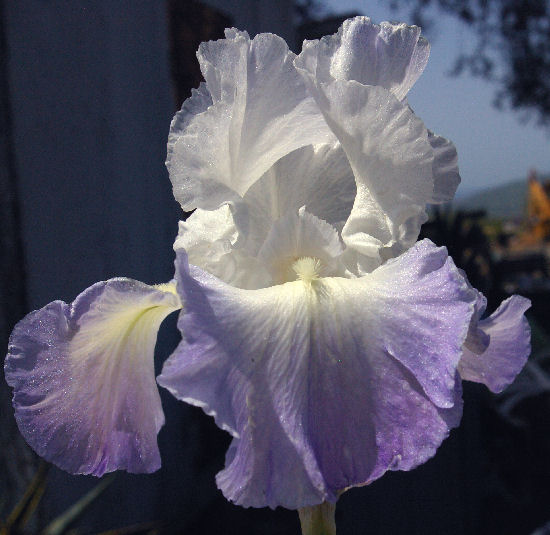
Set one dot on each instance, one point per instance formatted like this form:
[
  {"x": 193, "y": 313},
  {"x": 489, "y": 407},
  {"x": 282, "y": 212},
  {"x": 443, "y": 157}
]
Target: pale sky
[{"x": 493, "y": 146}]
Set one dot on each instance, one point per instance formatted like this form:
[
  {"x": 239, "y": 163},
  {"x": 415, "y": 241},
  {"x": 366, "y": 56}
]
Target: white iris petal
[
  {"x": 260, "y": 112},
  {"x": 296, "y": 236}
]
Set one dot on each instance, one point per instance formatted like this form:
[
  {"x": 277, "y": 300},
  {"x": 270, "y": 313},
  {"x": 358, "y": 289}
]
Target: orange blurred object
[{"x": 537, "y": 229}]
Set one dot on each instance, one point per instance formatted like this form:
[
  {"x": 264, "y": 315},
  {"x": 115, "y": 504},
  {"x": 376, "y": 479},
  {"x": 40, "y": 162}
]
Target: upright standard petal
[
  {"x": 85, "y": 396},
  {"x": 218, "y": 241},
  {"x": 327, "y": 383},
  {"x": 260, "y": 112},
  {"x": 508, "y": 346},
  {"x": 392, "y": 160},
  {"x": 389, "y": 55},
  {"x": 317, "y": 177}
]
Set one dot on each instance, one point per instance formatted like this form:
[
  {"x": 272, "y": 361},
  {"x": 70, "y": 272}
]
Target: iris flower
[{"x": 316, "y": 330}]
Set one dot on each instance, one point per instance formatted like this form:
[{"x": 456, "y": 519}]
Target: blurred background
[{"x": 87, "y": 93}]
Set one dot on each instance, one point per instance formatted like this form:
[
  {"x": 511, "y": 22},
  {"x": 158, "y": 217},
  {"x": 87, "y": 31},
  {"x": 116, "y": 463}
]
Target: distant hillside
[{"x": 506, "y": 201}]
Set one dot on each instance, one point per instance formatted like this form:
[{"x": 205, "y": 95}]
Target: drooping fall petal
[
  {"x": 85, "y": 396},
  {"x": 508, "y": 346},
  {"x": 324, "y": 384}
]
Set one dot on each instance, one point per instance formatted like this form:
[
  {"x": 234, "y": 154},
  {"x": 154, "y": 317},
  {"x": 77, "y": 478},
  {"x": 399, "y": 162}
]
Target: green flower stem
[{"x": 318, "y": 519}]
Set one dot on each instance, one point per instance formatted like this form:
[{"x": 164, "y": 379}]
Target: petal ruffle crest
[
  {"x": 509, "y": 346},
  {"x": 324, "y": 385},
  {"x": 389, "y": 55},
  {"x": 199, "y": 101},
  {"x": 260, "y": 112},
  {"x": 85, "y": 396}
]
